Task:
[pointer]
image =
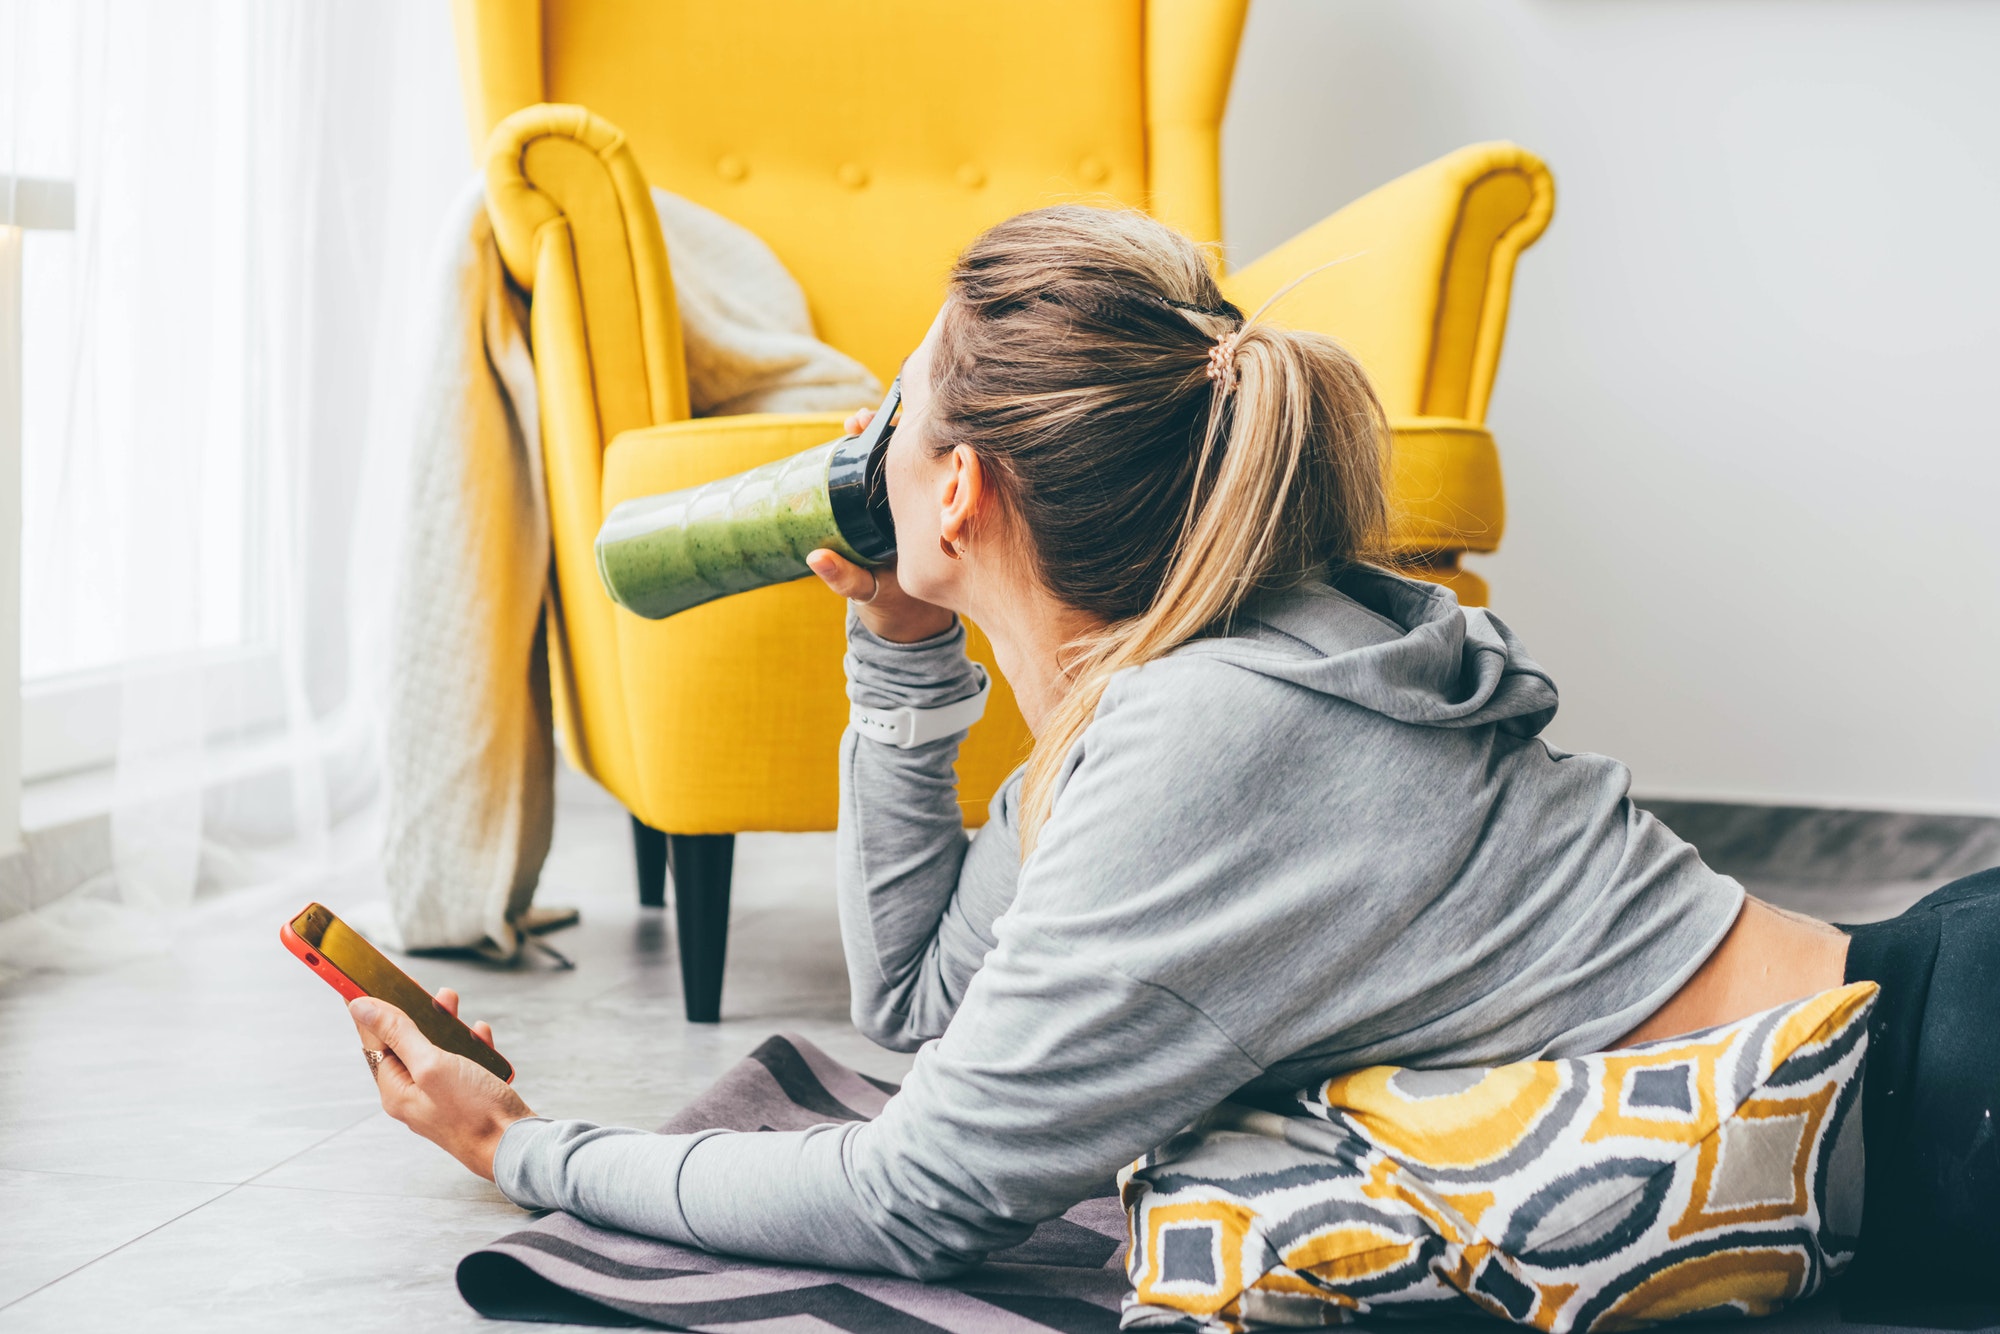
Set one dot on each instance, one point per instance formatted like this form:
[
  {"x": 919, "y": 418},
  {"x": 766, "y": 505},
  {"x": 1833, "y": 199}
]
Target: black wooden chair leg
[
  {"x": 649, "y": 846},
  {"x": 701, "y": 865}
]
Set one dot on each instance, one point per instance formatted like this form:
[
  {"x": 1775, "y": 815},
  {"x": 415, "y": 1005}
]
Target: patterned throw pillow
[{"x": 1715, "y": 1173}]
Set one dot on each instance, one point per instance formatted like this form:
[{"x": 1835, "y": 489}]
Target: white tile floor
[{"x": 193, "y": 1143}]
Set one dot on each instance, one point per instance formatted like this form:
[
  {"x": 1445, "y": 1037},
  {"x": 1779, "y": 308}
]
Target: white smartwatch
[{"x": 904, "y": 728}]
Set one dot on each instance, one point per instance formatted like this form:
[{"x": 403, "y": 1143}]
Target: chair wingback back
[{"x": 868, "y": 140}]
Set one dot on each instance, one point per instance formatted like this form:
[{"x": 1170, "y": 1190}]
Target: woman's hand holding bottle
[{"x": 884, "y": 608}]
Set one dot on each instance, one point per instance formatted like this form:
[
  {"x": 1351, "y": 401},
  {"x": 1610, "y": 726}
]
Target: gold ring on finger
[{"x": 374, "y": 1059}]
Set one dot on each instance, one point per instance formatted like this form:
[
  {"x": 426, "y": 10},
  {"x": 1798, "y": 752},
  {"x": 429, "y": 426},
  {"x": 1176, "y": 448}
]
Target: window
[{"x": 139, "y": 471}]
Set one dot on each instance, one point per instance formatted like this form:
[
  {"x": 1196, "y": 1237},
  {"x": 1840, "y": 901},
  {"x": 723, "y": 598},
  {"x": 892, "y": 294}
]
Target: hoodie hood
[{"x": 1400, "y": 647}]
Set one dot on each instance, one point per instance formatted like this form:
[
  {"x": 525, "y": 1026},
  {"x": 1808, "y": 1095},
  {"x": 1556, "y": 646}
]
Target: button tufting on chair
[
  {"x": 731, "y": 168},
  {"x": 852, "y": 175},
  {"x": 1093, "y": 170},
  {"x": 972, "y": 176}
]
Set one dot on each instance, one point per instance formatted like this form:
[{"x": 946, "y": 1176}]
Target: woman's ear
[{"x": 965, "y": 495}]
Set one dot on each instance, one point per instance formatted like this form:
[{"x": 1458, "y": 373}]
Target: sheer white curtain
[{"x": 216, "y": 365}]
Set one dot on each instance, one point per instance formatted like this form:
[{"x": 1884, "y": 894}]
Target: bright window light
[{"x": 137, "y": 336}]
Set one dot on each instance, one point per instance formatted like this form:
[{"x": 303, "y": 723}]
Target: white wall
[{"x": 1753, "y": 468}]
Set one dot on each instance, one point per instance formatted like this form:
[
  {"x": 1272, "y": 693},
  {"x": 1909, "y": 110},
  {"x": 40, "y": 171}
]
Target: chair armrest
[
  {"x": 575, "y": 226},
  {"x": 1427, "y": 264},
  {"x": 1445, "y": 493},
  {"x": 557, "y": 174}
]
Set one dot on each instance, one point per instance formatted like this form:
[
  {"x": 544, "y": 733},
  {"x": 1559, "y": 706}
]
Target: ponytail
[{"x": 1169, "y": 459}]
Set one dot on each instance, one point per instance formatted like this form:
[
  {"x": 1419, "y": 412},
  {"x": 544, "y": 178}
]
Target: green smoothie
[{"x": 663, "y": 554}]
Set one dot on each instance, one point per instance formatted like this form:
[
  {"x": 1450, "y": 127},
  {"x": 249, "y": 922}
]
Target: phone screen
[{"x": 367, "y": 967}]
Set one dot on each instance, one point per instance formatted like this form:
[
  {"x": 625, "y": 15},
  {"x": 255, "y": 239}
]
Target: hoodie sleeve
[
  {"x": 1061, "y": 1064},
  {"x": 917, "y": 897},
  {"x": 1055, "y": 1073}
]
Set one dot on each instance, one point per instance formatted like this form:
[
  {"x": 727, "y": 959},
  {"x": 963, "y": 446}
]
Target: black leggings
[{"x": 1930, "y": 1109}]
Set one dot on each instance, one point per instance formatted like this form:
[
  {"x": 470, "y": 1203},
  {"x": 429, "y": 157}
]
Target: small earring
[{"x": 944, "y": 545}]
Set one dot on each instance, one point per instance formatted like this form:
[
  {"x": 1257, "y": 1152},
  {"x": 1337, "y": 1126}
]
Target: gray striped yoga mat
[{"x": 1068, "y": 1277}]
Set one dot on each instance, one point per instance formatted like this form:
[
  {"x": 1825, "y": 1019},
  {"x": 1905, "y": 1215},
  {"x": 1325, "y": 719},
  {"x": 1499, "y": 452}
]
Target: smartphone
[{"x": 354, "y": 968}]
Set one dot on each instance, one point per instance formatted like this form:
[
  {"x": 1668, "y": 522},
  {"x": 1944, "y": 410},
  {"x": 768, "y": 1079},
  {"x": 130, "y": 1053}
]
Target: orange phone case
[
  {"x": 332, "y": 976},
  {"x": 336, "y": 979}
]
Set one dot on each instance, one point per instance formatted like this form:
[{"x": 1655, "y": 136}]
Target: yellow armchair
[{"x": 867, "y": 141}]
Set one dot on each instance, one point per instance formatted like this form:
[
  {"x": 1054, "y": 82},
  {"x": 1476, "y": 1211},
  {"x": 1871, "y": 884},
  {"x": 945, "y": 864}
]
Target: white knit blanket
[{"x": 469, "y": 751}]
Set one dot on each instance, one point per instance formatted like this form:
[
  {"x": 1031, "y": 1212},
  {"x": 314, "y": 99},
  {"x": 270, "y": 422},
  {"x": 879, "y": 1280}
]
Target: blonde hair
[{"x": 1161, "y": 482}]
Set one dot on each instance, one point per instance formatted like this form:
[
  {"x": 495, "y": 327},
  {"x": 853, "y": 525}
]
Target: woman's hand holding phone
[
  {"x": 456, "y": 1104},
  {"x": 884, "y": 608}
]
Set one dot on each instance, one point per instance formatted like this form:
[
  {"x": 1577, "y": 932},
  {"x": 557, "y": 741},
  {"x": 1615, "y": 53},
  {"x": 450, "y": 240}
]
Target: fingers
[
  {"x": 843, "y": 576},
  {"x": 447, "y": 1000},
  {"x": 383, "y": 1025},
  {"x": 858, "y": 423},
  {"x": 394, "y": 1082},
  {"x": 364, "y": 1023}
]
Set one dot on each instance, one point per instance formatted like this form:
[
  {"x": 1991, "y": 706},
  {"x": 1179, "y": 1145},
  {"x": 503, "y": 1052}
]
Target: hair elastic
[
  {"x": 1222, "y": 356},
  {"x": 1222, "y": 359}
]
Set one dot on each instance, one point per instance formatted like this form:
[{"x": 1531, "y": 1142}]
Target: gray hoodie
[{"x": 1330, "y": 839}]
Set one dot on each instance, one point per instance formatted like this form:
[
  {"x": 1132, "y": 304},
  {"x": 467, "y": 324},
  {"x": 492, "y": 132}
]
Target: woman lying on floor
[{"x": 1286, "y": 815}]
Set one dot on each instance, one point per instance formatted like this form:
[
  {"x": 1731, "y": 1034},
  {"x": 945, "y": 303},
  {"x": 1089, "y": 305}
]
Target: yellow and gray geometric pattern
[{"x": 1684, "y": 1177}]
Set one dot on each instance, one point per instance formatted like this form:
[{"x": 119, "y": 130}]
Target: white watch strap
[{"x": 904, "y": 728}]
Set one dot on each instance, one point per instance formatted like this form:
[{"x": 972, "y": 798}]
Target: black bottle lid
[{"x": 854, "y": 488}]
